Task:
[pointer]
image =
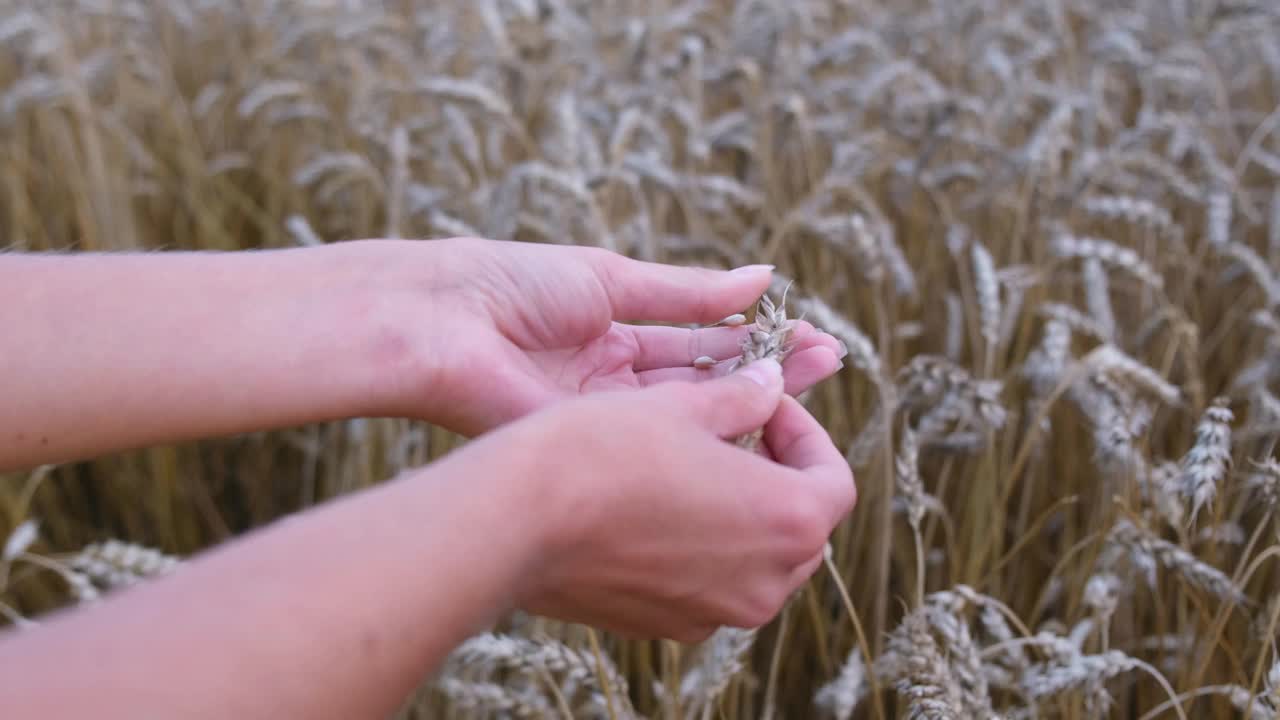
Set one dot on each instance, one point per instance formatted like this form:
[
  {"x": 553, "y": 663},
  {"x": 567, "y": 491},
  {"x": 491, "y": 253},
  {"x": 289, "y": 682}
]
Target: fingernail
[
  {"x": 752, "y": 269},
  {"x": 843, "y": 352},
  {"x": 763, "y": 372}
]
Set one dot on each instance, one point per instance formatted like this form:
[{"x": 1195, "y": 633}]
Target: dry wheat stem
[{"x": 1019, "y": 201}]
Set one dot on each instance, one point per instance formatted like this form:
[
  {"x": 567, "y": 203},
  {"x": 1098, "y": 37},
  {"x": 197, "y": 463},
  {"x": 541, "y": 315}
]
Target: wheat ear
[{"x": 769, "y": 338}]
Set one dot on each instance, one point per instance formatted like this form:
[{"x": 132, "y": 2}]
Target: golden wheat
[{"x": 1048, "y": 234}]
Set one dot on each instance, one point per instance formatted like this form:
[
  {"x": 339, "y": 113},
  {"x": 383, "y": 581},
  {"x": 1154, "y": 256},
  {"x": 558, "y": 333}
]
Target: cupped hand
[
  {"x": 655, "y": 525},
  {"x": 510, "y": 327}
]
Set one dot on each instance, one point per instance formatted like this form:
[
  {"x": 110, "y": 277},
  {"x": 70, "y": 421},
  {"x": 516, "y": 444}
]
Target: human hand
[
  {"x": 653, "y": 524},
  {"x": 506, "y": 328}
]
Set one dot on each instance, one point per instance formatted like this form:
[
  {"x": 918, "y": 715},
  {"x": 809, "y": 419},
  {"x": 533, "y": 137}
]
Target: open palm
[{"x": 539, "y": 322}]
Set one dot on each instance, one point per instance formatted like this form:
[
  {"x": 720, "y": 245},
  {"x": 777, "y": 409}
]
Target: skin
[
  {"x": 111, "y": 352},
  {"x": 601, "y": 490}
]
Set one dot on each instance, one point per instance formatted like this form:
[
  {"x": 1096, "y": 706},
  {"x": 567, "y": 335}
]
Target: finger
[
  {"x": 827, "y": 340},
  {"x": 677, "y": 348},
  {"x": 802, "y": 370},
  {"x": 727, "y": 406},
  {"x": 797, "y": 440},
  {"x": 631, "y": 617},
  {"x": 671, "y": 347},
  {"x": 669, "y": 293},
  {"x": 650, "y": 626},
  {"x": 805, "y": 570}
]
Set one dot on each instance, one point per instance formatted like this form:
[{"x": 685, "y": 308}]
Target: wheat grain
[
  {"x": 955, "y": 328},
  {"x": 1121, "y": 258},
  {"x": 1266, "y": 482},
  {"x": 329, "y": 163},
  {"x": 1163, "y": 485},
  {"x": 115, "y": 564},
  {"x": 1135, "y": 211},
  {"x": 925, "y": 680},
  {"x": 865, "y": 248},
  {"x": 1218, "y": 219},
  {"x": 988, "y": 291},
  {"x": 1230, "y": 533},
  {"x": 1102, "y": 595},
  {"x": 947, "y": 393},
  {"x": 1147, "y": 550},
  {"x": 302, "y": 232},
  {"x": 574, "y": 670},
  {"x": 208, "y": 96},
  {"x": 1118, "y": 421},
  {"x": 32, "y": 89},
  {"x": 862, "y": 353},
  {"x": 1205, "y": 464},
  {"x": 20, "y": 540},
  {"x": 738, "y": 195},
  {"x": 904, "y": 277},
  {"x": 1097, "y": 295},
  {"x": 842, "y": 695},
  {"x": 908, "y": 477},
  {"x": 468, "y": 93},
  {"x": 1111, "y": 360},
  {"x": 719, "y": 660},
  {"x": 943, "y": 611},
  {"x": 1054, "y": 678},
  {"x": 492, "y": 697},
  {"x": 1046, "y": 364},
  {"x": 1072, "y": 319},
  {"x": 267, "y": 92},
  {"x": 769, "y": 339},
  {"x": 451, "y": 226},
  {"x": 1258, "y": 268},
  {"x": 859, "y": 147}
]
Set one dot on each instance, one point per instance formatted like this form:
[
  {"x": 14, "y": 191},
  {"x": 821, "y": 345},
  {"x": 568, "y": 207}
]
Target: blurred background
[{"x": 1048, "y": 230}]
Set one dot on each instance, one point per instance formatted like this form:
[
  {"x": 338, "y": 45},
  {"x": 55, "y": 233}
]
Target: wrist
[
  {"x": 513, "y": 499},
  {"x": 539, "y": 460},
  {"x": 387, "y": 310}
]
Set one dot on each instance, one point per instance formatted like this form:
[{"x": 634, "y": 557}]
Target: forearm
[
  {"x": 338, "y": 613},
  {"x": 107, "y": 352}
]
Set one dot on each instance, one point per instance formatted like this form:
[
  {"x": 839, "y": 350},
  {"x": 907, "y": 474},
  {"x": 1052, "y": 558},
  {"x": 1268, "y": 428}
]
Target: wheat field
[{"x": 1048, "y": 232}]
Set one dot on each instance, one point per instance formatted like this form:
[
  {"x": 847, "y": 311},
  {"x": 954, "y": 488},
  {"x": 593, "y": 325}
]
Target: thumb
[{"x": 728, "y": 406}]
